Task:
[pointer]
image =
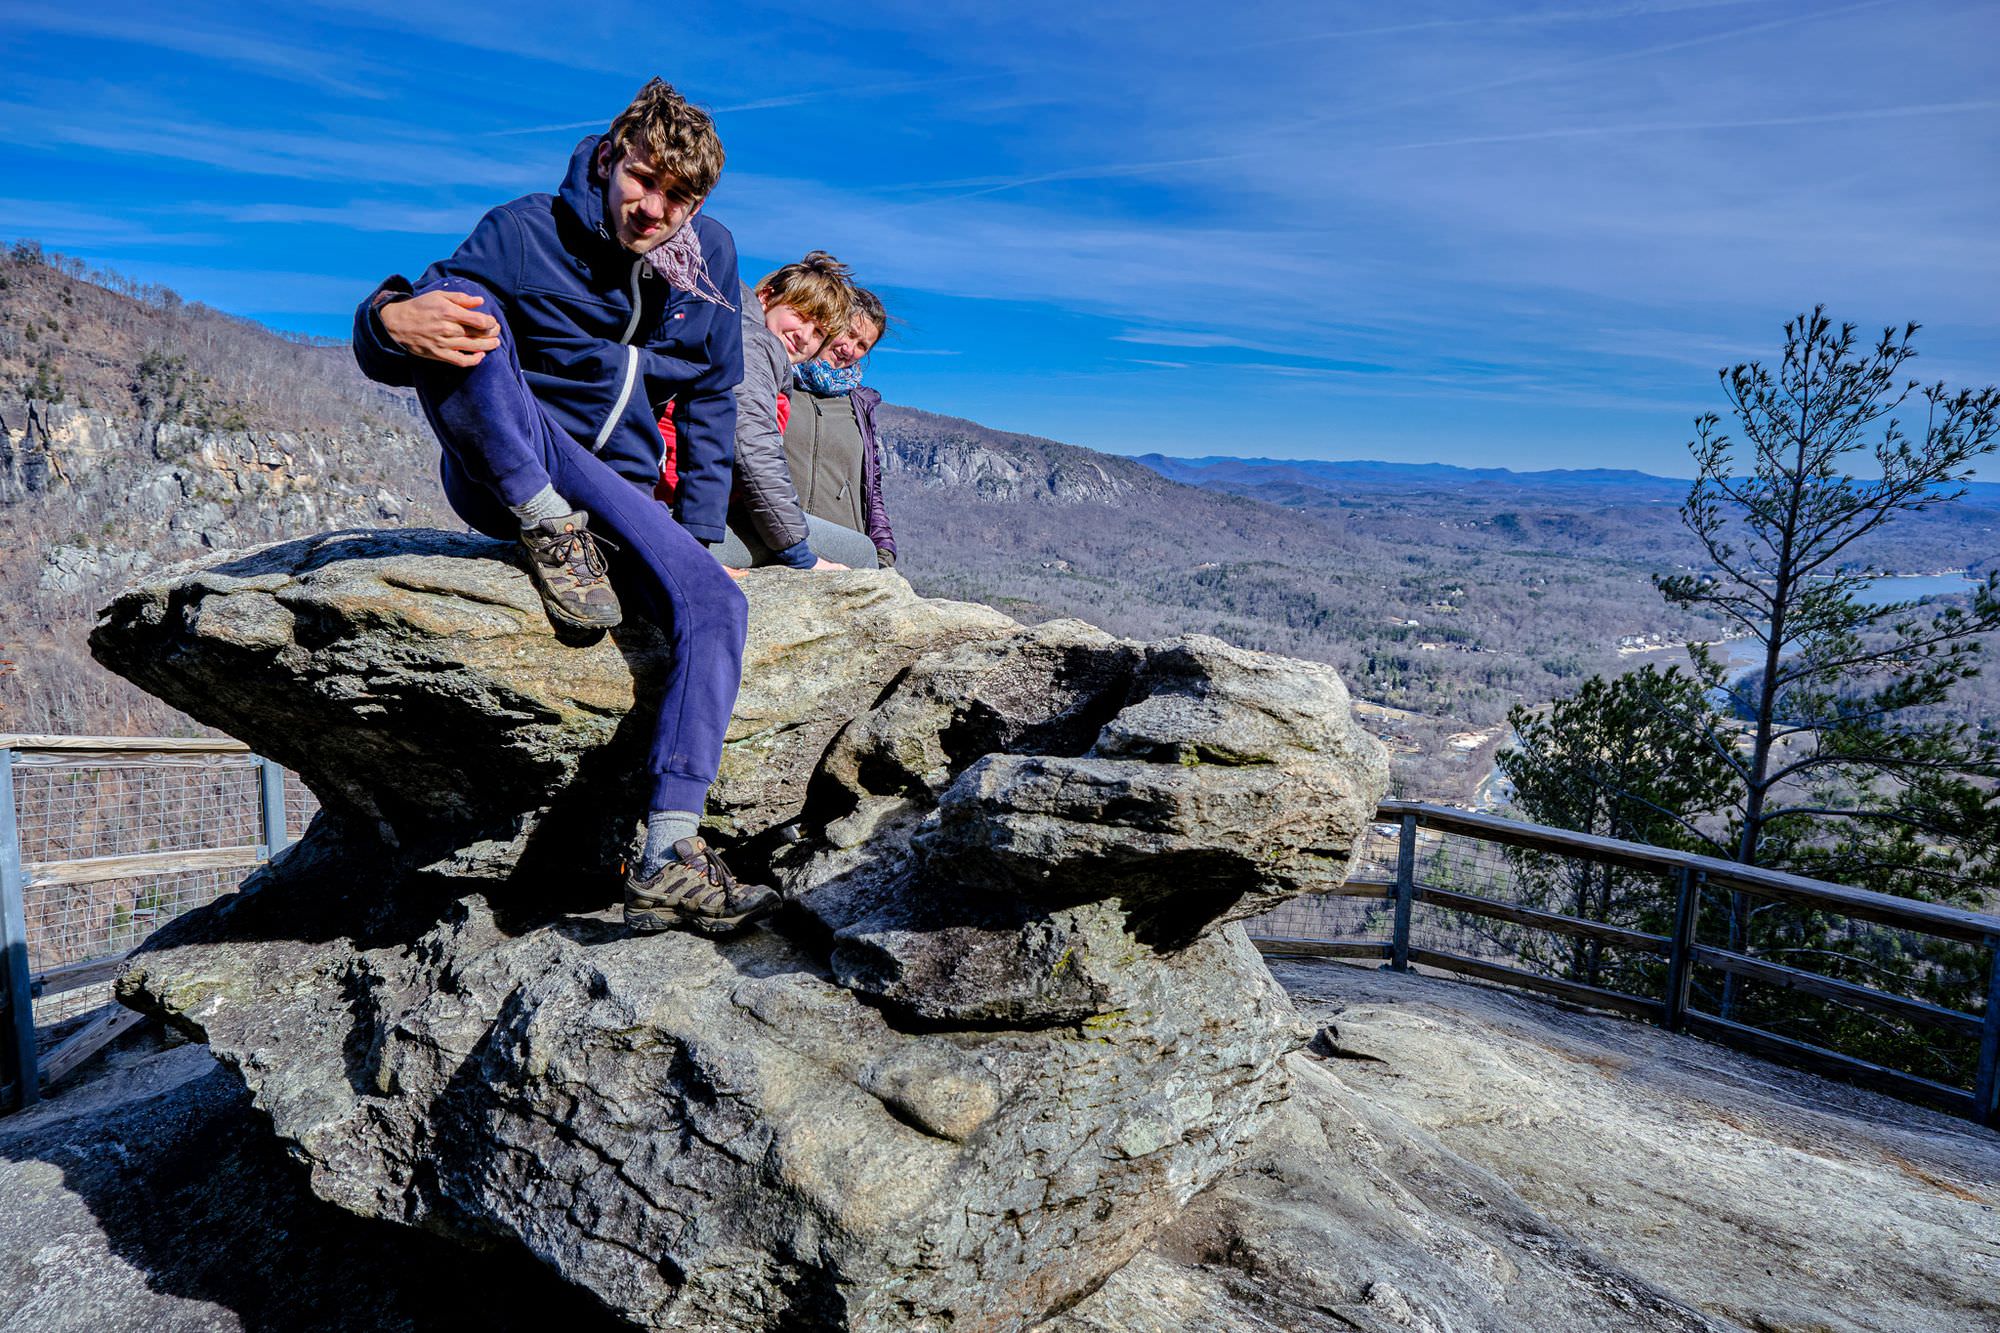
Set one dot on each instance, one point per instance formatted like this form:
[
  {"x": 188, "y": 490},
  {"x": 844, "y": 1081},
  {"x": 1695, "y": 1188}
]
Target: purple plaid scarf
[{"x": 678, "y": 260}]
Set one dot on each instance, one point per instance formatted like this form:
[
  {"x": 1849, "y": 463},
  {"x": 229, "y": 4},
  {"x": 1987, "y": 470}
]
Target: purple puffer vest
[{"x": 865, "y": 401}]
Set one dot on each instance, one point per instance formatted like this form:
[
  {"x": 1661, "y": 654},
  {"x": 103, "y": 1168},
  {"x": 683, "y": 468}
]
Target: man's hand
[
  {"x": 824, "y": 563},
  {"x": 441, "y": 326}
]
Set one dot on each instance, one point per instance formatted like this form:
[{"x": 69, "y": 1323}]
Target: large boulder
[
  {"x": 1004, "y": 1028},
  {"x": 413, "y": 679},
  {"x": 151, "y": 1198}
]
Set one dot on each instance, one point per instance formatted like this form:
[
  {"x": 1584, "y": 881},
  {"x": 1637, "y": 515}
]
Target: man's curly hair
[{"x": 675, "y": 136}]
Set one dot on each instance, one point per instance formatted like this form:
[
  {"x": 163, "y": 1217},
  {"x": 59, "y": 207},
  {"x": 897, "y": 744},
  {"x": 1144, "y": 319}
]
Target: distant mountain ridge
[
  {"x": 1379, "y": 471},
  {"x": 1244, "y": 475},
  {"x": 951, "y": 453}
]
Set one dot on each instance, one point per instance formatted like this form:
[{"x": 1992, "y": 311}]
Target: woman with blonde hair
[{"x": 788, "y": 318}]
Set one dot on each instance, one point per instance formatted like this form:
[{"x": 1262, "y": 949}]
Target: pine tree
[
  {"x": 1836, "y": 760},
  {"x": 1833, "y": 756},
  {"x": 1613, "y": 760}
]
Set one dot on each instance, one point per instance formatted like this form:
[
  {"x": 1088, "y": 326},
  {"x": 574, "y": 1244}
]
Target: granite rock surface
[
  {"x": 1454, "y": 1158},
  {"x": 1006, "y": 1026}
]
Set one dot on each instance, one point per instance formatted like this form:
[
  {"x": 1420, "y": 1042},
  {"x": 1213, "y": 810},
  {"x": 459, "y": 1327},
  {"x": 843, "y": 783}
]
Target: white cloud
[
  {"x": 229, "y": 44},
  {"x": 58, "y": 225}
]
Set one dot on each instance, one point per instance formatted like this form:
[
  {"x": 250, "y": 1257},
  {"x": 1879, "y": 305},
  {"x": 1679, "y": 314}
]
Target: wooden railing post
[
  {"x": 271, "y": 807},
  {"x": 1680, "y": 962},
  {"x": 1739, "y": 942},
  {"x": 1986, "y": 1082},
  {"x": 1406, "y": 889},
  {"x": 19, "y": 1047}
]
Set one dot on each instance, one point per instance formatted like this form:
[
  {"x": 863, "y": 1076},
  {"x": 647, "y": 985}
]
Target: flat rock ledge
[{"x": 1005, "y": 1027}]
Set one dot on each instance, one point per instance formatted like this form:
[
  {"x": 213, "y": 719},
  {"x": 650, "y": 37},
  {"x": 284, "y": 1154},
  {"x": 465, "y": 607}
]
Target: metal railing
[
  {"x": 1468, "y": 894},
  {"x": 103, "y": 839}
]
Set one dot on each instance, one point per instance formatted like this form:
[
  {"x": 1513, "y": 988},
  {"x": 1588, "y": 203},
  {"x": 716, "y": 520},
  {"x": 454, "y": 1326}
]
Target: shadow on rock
[{"x": 173, "y": 1207}]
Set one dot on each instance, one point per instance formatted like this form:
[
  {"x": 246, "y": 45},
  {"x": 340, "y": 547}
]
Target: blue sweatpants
[{"x": 500, "y": 449}]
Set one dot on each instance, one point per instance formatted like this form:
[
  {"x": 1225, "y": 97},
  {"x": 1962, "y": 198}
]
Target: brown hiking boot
[
  {"x": 694, "y": 889},
  {"x": 569, "y": 572}
]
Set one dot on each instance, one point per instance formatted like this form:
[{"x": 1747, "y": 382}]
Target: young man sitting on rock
[{"x": 541, "y": 351}]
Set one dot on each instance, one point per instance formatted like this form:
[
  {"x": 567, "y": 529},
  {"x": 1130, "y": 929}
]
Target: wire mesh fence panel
[
  {"x": 1318, "y": 916},
  {"x": 1551, "y": 882},
  {"x": 300, "y": 806},
  {"x": 75, "y": 923},
  {"x": 1902, "y": 963},
  {"x": 83, "y": 806},
  {"x": 1795, "y": 973},
  {"x": 1376, "y": 857},
  {"x": 74, "y": 810},
  {"x": 52, "y": 1011},
  {"x": 1337, "y": 916}
]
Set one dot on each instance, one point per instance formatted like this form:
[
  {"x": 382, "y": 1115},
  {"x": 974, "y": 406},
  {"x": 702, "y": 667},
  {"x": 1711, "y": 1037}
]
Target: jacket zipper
[{"x": 631, "y": 364}]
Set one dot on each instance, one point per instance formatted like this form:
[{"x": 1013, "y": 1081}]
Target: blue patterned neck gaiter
[{"x": 821, "y": 377}]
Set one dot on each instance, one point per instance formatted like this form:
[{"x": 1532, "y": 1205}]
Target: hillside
[
  {"x": 141, "y": 430},
  {"x": 100, "y": 343},
  {"x": 1559, "y": 509}
]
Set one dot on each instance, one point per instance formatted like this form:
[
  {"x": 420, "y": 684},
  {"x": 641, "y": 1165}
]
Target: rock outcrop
[
  {"x": 153, "y": 1199},
  {"x": 923, "y": 449},
  {"x": 1452, "y": 1157},
  {"x": 1458, "y": 1156},
  {"x": 1004, "y": 1029}
]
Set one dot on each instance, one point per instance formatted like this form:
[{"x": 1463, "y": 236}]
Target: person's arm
[
  {"x": 705, "y": 459},
  {"x": 705, "y": 423},
  {"x": 393, "y": 329},
  {"x": 381, "y": 357}
]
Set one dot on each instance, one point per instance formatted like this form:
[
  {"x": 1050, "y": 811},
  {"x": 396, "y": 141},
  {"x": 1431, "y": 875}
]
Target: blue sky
[{"x": 1515, "y": 235}]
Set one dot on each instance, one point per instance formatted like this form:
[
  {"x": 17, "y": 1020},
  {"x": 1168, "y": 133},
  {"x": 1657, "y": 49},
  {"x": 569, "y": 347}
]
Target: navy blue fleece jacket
[{"x": 604, "y": 340}]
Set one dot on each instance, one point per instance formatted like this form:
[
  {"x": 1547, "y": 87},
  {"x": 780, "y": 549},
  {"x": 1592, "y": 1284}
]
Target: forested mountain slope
[
  {"x": 1444, "y": 620},
  {"x": 1557, "y": 509}
]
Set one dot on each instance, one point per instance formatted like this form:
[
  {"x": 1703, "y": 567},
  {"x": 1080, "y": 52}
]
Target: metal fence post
[
  {"x": 1986, "y": 1083},
  {"x": 1680, "y": 962},
  {"x": 21, "y": 1063},
  {"x": 1406, "y": 888},
  {"x": 271, "y": 806}
]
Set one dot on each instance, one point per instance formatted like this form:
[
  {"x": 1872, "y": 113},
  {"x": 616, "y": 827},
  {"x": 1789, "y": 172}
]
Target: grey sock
[
  {"x": 664, "y": 828},
  {"x": 543, "y": 504}
]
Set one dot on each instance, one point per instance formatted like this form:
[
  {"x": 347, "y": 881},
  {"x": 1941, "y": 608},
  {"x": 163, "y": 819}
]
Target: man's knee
[
  {"x": 497, "y": 370},
  {"x": 466, "y": 287},
  {"x": 718, "y": 605},
  {"x": 731, "y": 607}
]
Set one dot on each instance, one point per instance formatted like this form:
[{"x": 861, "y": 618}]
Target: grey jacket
[{"x": 764, "y": 490}]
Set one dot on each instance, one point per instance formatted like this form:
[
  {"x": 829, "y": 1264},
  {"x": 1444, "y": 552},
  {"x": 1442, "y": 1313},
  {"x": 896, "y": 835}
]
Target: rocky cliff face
[
  {"x": 97, "y": 499},
  {"x": 923, "y": 449},
  {"x": 127, "y": 493},
  {"x": 1004, "y": 1029}
]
